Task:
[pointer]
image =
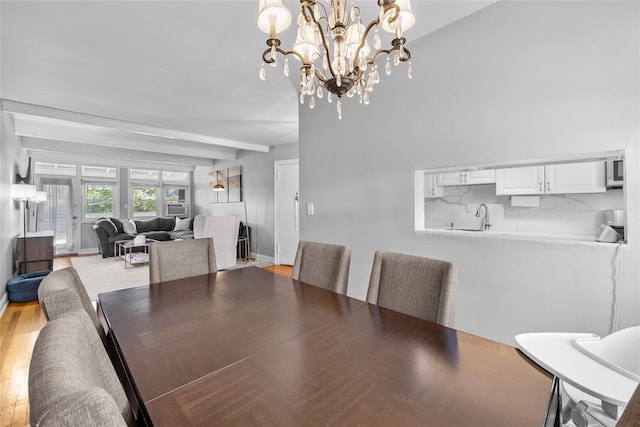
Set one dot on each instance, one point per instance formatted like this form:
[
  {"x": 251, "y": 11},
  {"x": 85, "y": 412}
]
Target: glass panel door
[{"x": 57, "y": 214}]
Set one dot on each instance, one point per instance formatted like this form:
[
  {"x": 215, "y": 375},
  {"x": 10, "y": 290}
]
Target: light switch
[{"x": 309, "y": 208}]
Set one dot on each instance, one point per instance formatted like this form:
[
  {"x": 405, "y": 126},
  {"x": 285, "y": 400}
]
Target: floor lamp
[
  {"x": 220, "y": 187},
  {"x": 23, "y": 193}
]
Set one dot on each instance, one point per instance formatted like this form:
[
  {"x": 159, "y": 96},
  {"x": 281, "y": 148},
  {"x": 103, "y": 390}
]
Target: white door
[
  {"x": 287, "y": 211},
  {"x": 59, "y": 214}
]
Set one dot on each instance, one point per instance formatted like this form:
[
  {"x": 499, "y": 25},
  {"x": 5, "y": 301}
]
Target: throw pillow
[
  {"x": 182, "y": 224},
  {"x": 107, "y": 226},
  {"x": 129, "y": 227},
  {"x": 118, "y": 224}
]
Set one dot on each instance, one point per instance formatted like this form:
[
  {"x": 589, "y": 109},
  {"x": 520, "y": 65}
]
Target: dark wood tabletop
[{"x": 249, "y": 347}]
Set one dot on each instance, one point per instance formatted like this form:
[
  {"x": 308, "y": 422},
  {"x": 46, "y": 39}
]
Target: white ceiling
[{"x": 173, "y": 81}]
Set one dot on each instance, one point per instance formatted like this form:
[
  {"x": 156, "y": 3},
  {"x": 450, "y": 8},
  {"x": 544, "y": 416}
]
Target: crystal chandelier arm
[
  {"x": 388, "y": 6},
  {"x": 269, "y": 60},
  {"x": 321, "y": 76},
  {"x": 396, "y": 46},
  {"x": 373, "y": 23},
  {"x": 363, "y": 39},
  {"x": 305, "y": 8}
]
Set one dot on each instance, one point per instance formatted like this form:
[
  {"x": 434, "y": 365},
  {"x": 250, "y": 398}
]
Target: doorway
[
  {"x": 287, "y": 200},
  {"x": 58, "y": 213}
]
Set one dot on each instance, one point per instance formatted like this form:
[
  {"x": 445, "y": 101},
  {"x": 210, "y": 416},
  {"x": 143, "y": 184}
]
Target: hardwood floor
[{"x": 19, "y": 327}]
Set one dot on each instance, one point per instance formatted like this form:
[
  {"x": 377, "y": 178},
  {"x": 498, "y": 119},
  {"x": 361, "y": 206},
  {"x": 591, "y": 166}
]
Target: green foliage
[
  {"x": 144, "y": 199},
  {"x": 98, "y": 199}
]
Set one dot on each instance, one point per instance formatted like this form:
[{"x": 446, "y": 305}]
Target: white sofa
[{"x": 224, "y": 232}]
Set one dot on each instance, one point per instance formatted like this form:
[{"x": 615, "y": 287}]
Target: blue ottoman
[{"x": 24, "y": 287}]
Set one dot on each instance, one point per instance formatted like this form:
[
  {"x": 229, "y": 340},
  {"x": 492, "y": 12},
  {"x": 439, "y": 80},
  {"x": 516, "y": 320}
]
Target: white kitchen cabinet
[
  {"x": 586, "y": 177},
  {"x": 570, "y": 178},
  {"x": 431, "y": 187},
  {"x": 485, "y": 176},
  {"x": 520, "y": 180}
]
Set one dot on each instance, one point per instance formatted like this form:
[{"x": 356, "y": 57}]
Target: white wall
[
  {"x": 515, "y": 81},
  {"x": 258, "y": 186},
  {"x": 13, "y": 159}
]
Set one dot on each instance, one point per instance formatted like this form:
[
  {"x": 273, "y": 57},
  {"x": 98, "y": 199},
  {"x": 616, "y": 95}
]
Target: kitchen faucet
[{"x": 485, "y": 225}]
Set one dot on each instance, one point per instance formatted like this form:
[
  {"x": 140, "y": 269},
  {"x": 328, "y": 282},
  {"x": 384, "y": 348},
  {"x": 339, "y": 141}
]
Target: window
[
  {"x": 99, "y": 171},
  {"x": 175, "y": 194},
  {"x": 172, "y": 176},
  {"x": 98, "y": 200},
  {"x": 144, "y": 175},
  {"x": 144, "y": 200},
  {"x": 43, "y": 168}
]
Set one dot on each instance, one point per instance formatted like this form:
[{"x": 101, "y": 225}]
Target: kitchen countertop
[{"x": 582, "y": 239}]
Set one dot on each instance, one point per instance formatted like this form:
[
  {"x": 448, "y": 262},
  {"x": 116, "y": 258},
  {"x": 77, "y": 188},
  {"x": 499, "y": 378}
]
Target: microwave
[{"x": 615, "y": 173}]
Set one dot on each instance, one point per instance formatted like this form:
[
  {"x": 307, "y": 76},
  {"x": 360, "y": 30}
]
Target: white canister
[{"x": 140, "y": 239}]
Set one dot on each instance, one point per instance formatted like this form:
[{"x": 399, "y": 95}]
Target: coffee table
[{"x": 123, "y": 249}]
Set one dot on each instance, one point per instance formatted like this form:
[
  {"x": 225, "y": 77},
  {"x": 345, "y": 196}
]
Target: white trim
[
  {"x": 263, "y": 258},
  {"x": 4, "y": 303}
]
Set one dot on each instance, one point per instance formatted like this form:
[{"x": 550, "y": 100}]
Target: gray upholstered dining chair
[
  {"x": 417, "y": 286},
  {"x": 323, "y": 265},
  {"x": 62, "y": 291},
  {"x": 71, "y": 379},
  {"x": 180, "y": 259}
]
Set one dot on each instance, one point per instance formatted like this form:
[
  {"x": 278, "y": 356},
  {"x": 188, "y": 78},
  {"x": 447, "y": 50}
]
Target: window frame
[{"x": 115, "y": 197}]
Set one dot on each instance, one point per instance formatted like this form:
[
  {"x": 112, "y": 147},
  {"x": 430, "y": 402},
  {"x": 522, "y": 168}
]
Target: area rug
[{"x": 108, "y": 274}]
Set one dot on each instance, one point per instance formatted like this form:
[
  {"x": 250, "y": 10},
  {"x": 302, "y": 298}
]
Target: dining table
[{"x": 251, "y": 347}]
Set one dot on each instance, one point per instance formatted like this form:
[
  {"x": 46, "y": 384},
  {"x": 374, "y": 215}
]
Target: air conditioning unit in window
[{"x": 177, "y": 209}]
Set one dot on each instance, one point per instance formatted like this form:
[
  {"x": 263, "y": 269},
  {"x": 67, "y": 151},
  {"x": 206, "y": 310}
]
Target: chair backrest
[
  {"x": 72, "y": 380},
  {"x": 224, "y": 232},
  {"x": 631, "y": 415},
  {"x": 179, "y": 259},
  {"x": 62, "y": 291},
  {"x": 417, "y": 286},
  {"x": 322, "y": 265}
]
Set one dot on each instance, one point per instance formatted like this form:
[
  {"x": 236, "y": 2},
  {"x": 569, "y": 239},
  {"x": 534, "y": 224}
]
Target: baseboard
[
  {"x": 88, "y": 251},
  {"x": 263, "y": 258},
  {"x": 4, "y": 302}
]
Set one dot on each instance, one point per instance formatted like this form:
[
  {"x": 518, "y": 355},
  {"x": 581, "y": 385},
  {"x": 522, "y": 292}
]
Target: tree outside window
[
  {"x": 98, "y": 200},
  {"x": 175, "y": 195},
  {"x": 145, "y": 201}
]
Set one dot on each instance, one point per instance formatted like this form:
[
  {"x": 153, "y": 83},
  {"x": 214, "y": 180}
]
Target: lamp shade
[
  {"x": 307, "y": 43},
  {"x": 273, "y": 17},
  {"x": 354, "y": 35},
  {"x": 406, "y": 18},
  {"x": 22, "y": 191},
  {"x": 218, "y": 187}
]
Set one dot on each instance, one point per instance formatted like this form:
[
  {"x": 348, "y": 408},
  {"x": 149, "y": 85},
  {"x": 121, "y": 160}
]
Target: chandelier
[{"x": 346, "y": 67}]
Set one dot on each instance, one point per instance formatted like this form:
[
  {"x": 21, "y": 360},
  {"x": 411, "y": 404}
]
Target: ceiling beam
[
  {"x": 55, "y": 130},
  {"x": 79, "y": 119},
  {"x": 73, "y": 152}
]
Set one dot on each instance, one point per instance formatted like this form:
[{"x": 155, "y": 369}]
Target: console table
[{"x": 34, "y": 252}]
